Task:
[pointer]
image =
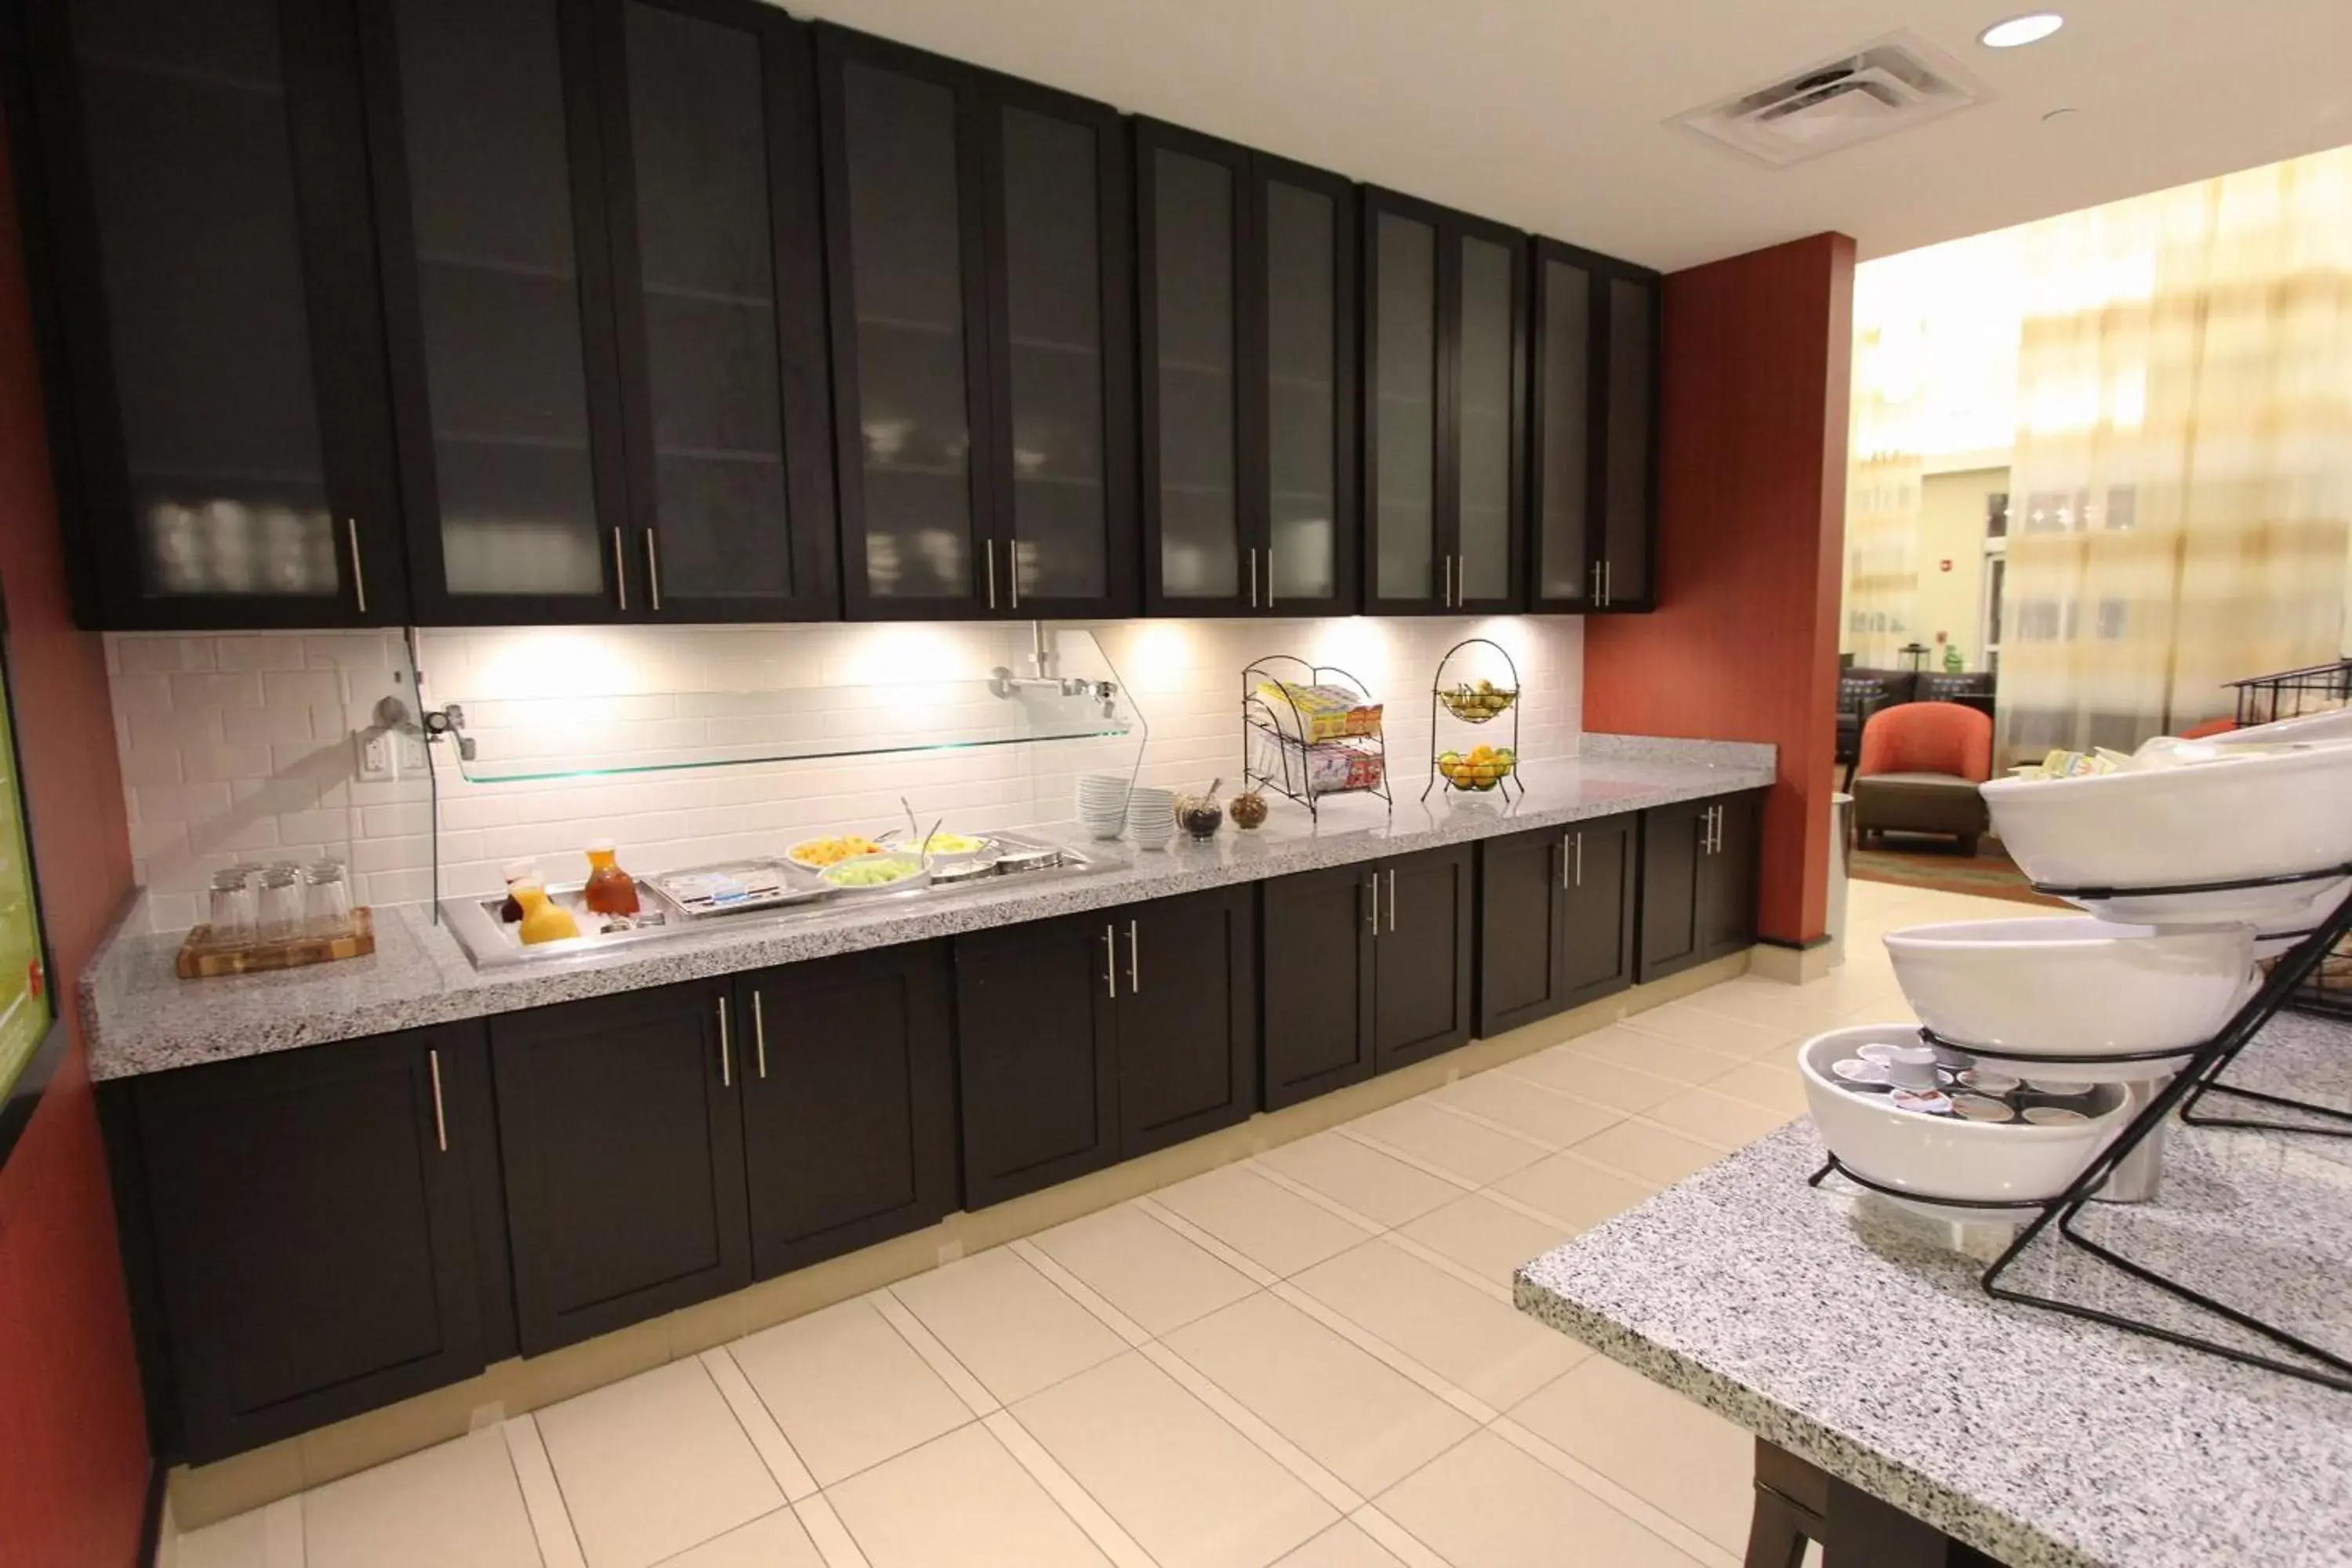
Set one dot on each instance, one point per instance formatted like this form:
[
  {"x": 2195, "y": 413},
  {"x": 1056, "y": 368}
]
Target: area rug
[{"x": 1923, "y": 861}]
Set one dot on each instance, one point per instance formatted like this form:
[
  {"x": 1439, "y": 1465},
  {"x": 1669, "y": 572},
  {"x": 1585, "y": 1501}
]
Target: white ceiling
[{"x": 1551, "y": 114}]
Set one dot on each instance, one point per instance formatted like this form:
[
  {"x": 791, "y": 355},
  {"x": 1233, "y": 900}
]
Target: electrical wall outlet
[
  {"x": 408, "y": 754},
  {"x": 377, "y": 762}
]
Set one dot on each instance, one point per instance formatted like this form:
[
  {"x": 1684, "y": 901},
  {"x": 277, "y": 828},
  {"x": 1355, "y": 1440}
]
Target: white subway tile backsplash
[{"x": 240, "y": 746}]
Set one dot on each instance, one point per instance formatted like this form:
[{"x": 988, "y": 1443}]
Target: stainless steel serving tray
[{"x": 797, "y": 894}]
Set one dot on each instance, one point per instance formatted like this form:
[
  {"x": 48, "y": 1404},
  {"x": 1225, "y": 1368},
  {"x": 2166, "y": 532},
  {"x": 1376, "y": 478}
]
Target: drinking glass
[
  {"x": 326, "y": 899},
  {"x": 279, "y": 918},
  {"x": 231, "y": 909}
]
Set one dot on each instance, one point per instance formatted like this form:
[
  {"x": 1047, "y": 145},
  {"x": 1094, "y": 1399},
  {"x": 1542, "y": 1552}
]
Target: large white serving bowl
[
  {"x": 2075, "y": 985},
  {"x": 2334, "y": 725},
  {"x": 1940, "y": 1157},
  {"x": 2268, "y": 814}
]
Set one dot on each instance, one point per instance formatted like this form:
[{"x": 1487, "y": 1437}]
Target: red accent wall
[
  {"x": 1751, "y": 528},
  {"x": 73, "y": 1435}
]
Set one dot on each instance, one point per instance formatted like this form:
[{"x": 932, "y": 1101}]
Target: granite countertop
[
  {"x": 139, "y": 1017},
  {"x": 1849, "y": 1334}
]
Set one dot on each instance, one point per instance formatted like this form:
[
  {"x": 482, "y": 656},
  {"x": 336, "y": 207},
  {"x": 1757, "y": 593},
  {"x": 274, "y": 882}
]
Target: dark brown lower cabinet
[
  {"x": 1316, "y": 966},
  {"x": 623, "y": 1137},
  {"x": 1187, "y": 1021},
  {"x": 848, "y": 1093},
  {"x": 1093, "y": 1038},
  {"x": 1423, "y": 952},
  {"x": 1037, "y": 1053},
  {"x": 1556, "y": 912},
  {"x": 1698, "y": 882},
  {"x": 313, "y": 1244}
]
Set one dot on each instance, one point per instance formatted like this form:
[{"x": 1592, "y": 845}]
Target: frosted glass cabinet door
[
  {"x": 1486, "y": 416},
  {"x": 1404, "y": 542},
  {"x": 1192, "y": 193},
  {"x": 1306, "y": 225},
  {"x": 1593, "y": 431},
  {"x": 719, "y": 299},
  {"x": 504, "y": 365},
  {"x": 218, "y": 304},
  {"x": 1565, "y": 575}
]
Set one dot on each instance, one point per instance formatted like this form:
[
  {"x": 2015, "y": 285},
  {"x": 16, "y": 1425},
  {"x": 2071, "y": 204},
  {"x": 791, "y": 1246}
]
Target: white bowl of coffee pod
[
  {"x": 1923, "y": 1158},
  {"x": 2076, "y": 985},
  {"x": 2244, "y": 814}
]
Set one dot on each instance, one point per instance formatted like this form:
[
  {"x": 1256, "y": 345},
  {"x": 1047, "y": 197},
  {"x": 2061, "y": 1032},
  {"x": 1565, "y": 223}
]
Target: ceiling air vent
[{"x": 1875, "y": 90}]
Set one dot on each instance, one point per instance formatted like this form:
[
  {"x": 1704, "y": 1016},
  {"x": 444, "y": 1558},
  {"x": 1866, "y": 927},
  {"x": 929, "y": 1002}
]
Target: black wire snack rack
[
  {"x": 2291, "y": 694},
  {"x": 1477, "y": 705},
  {"x": 2201, "y": 1076},
  {"x": 1308, "y": 752}
]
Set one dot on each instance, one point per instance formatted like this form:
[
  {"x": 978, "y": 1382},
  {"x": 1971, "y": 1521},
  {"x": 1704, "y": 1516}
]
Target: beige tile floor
[{"x": 1307, "y": 1359}]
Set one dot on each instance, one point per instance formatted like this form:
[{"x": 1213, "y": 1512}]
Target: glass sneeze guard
[{"x": 1064, "y": 689}]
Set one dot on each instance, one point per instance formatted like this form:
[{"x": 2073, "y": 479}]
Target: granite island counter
[
  {"x": 139, "y": 1017},
  {"x": 1850, "y": 1336}
]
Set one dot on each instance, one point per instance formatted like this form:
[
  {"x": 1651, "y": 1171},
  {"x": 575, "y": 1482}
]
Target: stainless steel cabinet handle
[
  {"x": 726, "y": 1052},
  {"x": 1391, "y": 899},
  {"x": 1253, "y": 560},
  {"x": 1012, "y": 572},
  {"x": 1134, "y": 962},
  {"x": 1110, "y": 963},
  {"x": 1608, "y": 581},
  {"x": 1269, "y": 576},
  {"x": 1448, "y": 600},
  {"x": 1579, "y": 860},
  {"x": 988, "y": 553},
  {"x": 759, "y": 1034},
  {"x": 620, "y": 571},
  {"x": 440, "y": 1121},
  {"x": 359, "y": 577},
  {"x": 1595, "y": 574},
  {"x": 652, "y": 567}
]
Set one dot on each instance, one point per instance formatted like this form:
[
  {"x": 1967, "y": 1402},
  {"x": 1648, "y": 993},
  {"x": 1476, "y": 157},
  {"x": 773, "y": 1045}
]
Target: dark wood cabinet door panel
[
  {"x": 220, "y": 382},
  {"x": 848, "y": 1101},
  {"x": 623, "y": 1147},
  {"x": 709, "y": 125},
  {"x": 1407, "y": 566},
  {"x": 1594, "y": 398},
  {"x": 313, "y": 1241},
  {"x": 1727, "y": 892},
  {"x": 1487, "y": 492},
  {"x": 1674, "y": 840},
  {"x": 1037, "y": 1054},
  {"x": 1188, "y": 1019},
  {"x": 496, "y": 263},
  {"x": 1304, "y": 221},
  {"x": 1629, "y": 442},
  {"x": 1422, "y": 957},
  {"x": 1316, "y": 946},
  {"x": 1522, "y": 936},
  {"x": 1601, "y": 908}
]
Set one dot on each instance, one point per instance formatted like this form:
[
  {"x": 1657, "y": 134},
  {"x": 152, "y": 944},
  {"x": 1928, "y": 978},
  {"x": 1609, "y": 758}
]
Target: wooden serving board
[{"x": 199, "y": 957}]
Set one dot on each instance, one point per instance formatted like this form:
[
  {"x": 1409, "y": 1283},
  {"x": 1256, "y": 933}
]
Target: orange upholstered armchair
[{"x": 1919, "y": 769}]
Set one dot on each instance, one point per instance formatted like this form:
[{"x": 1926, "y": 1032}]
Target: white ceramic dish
[
  {"x": 1940, "y": 1157},
  {"x": 2076, "y": 984},
  {"x": 2332, "y": 726},
  {"x": 2267, "y": 814}
]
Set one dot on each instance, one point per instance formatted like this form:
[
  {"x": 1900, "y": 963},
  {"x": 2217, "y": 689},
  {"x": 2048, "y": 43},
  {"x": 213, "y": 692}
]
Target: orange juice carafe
[
  {"x": 609, "y": 889},
  {"x": 542, "y": 921}
]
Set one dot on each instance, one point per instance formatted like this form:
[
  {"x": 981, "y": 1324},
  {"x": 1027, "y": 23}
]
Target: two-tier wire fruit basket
[{"x": 1479, "y": 702}]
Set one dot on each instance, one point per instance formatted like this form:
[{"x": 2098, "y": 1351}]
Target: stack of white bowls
[
  {"x": 1102, "y": 804},
  {"x": 1151, "y": 816}
]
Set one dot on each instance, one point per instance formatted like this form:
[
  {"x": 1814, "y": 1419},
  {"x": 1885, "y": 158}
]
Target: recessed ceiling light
[{"x": 2030, "y": 28}]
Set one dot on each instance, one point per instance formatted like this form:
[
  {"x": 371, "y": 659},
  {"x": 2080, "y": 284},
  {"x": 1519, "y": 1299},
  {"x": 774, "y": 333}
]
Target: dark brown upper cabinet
[
  {"x": 978, "y": 262},
  {"x": 1246, "y": 309},
  {"x": 1594, "y": 420},
  {"x": 709, "y": 126},
  {"x": 1445, "y": 409},
  {"x": 216, "y": 355},
  {"x": 603, "y": 281}
]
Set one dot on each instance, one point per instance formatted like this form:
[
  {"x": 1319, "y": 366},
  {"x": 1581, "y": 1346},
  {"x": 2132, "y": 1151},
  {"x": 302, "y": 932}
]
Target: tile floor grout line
[
  {"x": 828, "y": 1534},
  {"x": 1609, "y": 1493},
  {"x": 557, "y": 1537},
  {"x": 720, "y": 1365},
  {"x": 945, "y": 1365},
  {"x": 1324, "y": 1201},
  {"x": 1058, "y": 1276},
  {"x": 1439, "y": 1261},
  {"x": 1353, "y": 1134},
  {"x": 1674, "y": 1085},
  {"x": 1545, "y": 1144},
  {"x": 1069, "y": 1494},
  {"x": 1253, "y": 1428},
  {"x": 1387, "y": 1354},
  {"x": 1395, "y": 1539},
  {"x": 1525, "y": 1210},
  {"x": 1249, "y": 1267}
]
